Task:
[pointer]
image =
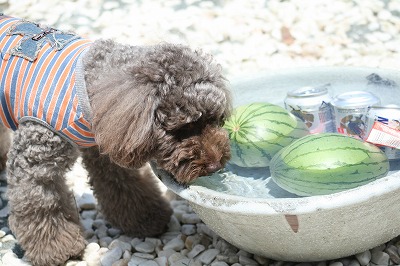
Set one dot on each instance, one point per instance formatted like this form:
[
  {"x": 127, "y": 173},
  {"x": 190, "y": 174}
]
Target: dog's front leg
[
  {"x": 129, "y": 198},
  {"x": 42, "y": 212}
]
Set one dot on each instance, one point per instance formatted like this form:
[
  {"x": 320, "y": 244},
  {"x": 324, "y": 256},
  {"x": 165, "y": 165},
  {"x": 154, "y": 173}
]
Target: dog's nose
[{"x": 212, "y": 167}]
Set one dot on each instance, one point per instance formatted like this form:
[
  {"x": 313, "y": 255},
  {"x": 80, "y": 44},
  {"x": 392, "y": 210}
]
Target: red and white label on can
[{"x": 385, "y": 135}]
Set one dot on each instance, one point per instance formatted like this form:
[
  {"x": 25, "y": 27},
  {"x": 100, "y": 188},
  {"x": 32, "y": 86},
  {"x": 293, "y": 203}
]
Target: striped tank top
[{"x": 42, "y": 80}]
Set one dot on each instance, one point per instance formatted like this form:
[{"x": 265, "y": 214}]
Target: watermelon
[
  {"x": 327, "y": 163},
  {"x": 259, "y": 130}
]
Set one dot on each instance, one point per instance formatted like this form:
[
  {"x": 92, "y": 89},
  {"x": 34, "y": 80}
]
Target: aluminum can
[
  {"x": 350, "y": 110},
  {"x": 390, "y": 116},
  {"x": 312, "y": 106}
]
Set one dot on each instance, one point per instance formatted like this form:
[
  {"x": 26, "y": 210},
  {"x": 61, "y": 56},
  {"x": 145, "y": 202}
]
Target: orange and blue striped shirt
[{"x": 43, "y": 81}]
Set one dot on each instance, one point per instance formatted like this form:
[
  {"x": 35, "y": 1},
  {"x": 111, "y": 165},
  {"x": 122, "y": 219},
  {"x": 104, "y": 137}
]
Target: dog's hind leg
[
  {"x": 43, "y": 215},
  {"x": 130, "y": 199},
  {"x": 5, "y": 140}
]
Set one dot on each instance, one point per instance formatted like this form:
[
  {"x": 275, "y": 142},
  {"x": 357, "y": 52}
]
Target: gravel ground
[{"x": 245, "y": 37}]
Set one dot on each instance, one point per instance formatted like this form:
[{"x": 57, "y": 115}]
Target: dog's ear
[{"x": 123, "y": 118}]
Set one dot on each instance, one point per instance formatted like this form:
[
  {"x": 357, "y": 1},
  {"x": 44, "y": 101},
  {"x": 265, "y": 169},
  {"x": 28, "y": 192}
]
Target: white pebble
[
  {"x": 336, "y": 263},
  {"x": 123, "y": 245},
  {"x": 10, "y": 258},
  {"x": 208, "y": 256},
  {"x": 188, "y": 229},
  {"x": 244, "y": 260},
  {"x": 161, "y": 261},
  {"x": 155, "y": 241},
  {"x": 354, "y": 263},
  {"x": 144, "y": 255},
  {"x": 148, "y": 263},
  {"x": 136, "y": 260},
  {"x": 174, "y": 224},
  {"x": 8, "y": 238},
  {"x": 111, "y": 256},
  {"x": 195, "y": 251},
  {"x": 379, "y": 258},
  {"x": 87, "y": 223},
  {"x": 181, "y": 262},
  {"x": 219, "y": 263},
  {"x": 113, "y": 232},
  {"x": 145, "y": 247},
  {"x": 190, "y": 218},
  {"x": 176, "y": 244},
  {"x": 166, "y": 253},
  {"x": 89, "y": 214},
  {"x": 101, "y": 231},
  {"x": 105, "y": 241},
  {"x": 86, "y": 202},
  {"x": 176, "y": 257},
  {"x": 364, "y": 258}
]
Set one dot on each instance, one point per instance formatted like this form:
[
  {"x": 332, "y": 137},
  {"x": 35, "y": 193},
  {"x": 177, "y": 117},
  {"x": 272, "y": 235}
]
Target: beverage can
[
  {"x": 389, "y": 140},
  {"x": 312, "y": 106},
  {"x": 349, "y": 112}
]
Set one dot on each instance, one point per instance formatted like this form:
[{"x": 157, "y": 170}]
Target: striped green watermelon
[
  {"x": 259, "y": 130},
  {"x": 326, "y": 163}
]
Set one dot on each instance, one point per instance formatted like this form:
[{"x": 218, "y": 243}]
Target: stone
[
  {"x": 174, "y": 224},
  {"x": 181, "y": 262},
  {"x": 336, "y": 263},
  {"x": 155, "y": 241},
  {"x": 364, "y": 258},
  {"x": 219, "y": 263},
  {"x": 144, "y": 255},
  {"x": 148, "y": 263},
  {"x": 379, "y": 257},
  {"x": 145, "y": 247},
  {"x": 86, "y": 202},
  {"x": 192, "y": 240},
  {"x": 113, "y": 232},
  {"x": 195, "y": 251},
  {"x": 176, "y": 244},
  {"x": 89, "y": 214},
  {"x": 121, "y": 262},
  {"x": 105, "y": 241},
  {"x": 190, "y": 218},
  {"x": 111, "y": 256},
  {"x": 188, "y": 229},
  {"x": 136, "y": 241},
  {"x": 168, "y": 236},
  {"x": 161, "y": 261},
  {"x": 4, "y": 212},
  {"x": 176, "y": 257},
  {"x": 9, "y": 258},
  {"x": 393, "y": 254},
  {"x": 101, "y": 231},
  {"x": 123, "y": 245},
  {"x": 354, "y": 262},
  {"x": 166, "y": 253},
  {"x": 136, "y": 260},
  {"x": 245, "y": 260},
  {"x": 7, "y": 238},
  {"x": 208, "y": 256}
]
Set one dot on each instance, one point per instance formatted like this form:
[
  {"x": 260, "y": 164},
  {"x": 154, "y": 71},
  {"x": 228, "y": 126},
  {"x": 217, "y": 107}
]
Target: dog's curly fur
[{"x": 164, "y": 103}]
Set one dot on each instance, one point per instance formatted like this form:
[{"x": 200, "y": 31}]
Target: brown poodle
[{"x": 122, "y": 106}]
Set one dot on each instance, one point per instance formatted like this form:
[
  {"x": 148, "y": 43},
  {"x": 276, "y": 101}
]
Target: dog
[{"x": 119, "y": 107}]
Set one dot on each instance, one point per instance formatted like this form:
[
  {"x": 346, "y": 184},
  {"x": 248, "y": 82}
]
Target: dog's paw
[
  {"x": 149, "y": 219},
  {"x": 56, "y": 251}
]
